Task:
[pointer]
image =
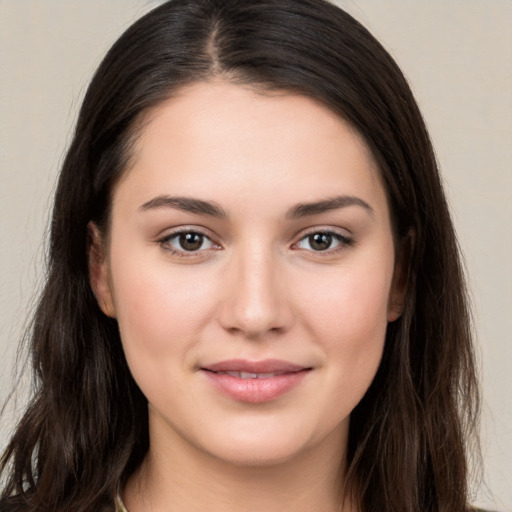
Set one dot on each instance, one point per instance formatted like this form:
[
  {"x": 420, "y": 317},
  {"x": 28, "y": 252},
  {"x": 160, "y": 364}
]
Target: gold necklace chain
[{"x": 120, "y": 507}]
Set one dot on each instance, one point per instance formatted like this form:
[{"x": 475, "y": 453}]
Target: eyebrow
[
  {"x": 333, "y": 203},
  {"x": 186, "y": 204},
  {"x": 212, "y": 209}
]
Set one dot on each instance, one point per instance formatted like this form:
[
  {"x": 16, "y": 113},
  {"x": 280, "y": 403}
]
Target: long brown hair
[{"x": 86, "y": 427}]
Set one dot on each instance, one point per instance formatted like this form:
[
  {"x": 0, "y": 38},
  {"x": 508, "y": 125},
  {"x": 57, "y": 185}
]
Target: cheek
[
  {"x": 159, "y": 309},
  {"x": 350, "y": 302},
  {"x": 348, "y": 318},
  {"x": 160, "y": 314}
]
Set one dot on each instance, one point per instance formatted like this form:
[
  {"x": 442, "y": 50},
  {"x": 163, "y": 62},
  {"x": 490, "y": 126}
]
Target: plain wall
[{"x": 457, "y": 55}]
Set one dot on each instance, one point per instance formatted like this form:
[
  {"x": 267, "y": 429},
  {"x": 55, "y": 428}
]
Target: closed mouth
[
  {"x": 252, "y": 375},
  {"x": 255, "y": 382},
  {"x": 244, "y": 368}
]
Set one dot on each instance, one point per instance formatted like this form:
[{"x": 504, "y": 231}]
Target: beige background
[{"x": 457, "y": 55}]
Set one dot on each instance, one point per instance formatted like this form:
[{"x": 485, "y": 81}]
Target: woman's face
[{"x": 250, "y": 266}]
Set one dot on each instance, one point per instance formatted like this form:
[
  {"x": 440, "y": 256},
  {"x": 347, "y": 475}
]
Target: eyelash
[
  {"x": 344, "y": 242},
  {"x": 164, "y": 242}
]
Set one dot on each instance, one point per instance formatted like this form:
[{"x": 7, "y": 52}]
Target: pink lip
[{"x": 255, "y": 390}]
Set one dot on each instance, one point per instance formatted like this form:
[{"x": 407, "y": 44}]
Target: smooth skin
[{"x": 252, "y": 274}]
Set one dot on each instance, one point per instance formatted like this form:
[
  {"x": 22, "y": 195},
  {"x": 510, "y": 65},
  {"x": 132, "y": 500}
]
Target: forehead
[{"x": 232, "y": 142}]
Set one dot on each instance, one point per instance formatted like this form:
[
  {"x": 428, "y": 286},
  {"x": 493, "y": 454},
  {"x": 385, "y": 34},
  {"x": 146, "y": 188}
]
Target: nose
[{"x": 255, "y": 301}]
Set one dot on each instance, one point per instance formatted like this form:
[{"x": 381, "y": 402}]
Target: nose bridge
[{"x": 255, "y": 301}]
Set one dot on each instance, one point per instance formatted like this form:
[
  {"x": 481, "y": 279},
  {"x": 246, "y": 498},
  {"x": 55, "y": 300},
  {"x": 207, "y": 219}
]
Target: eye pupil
[
  {"x": 320, "y": 241},
  {"x": 191, "y": 241}
]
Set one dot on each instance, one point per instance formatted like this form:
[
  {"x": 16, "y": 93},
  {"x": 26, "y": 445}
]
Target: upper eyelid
[
  {"x": 336, "y": 236},
  {"x": 178, "y": 231},
  {"x": 166, "y": 238},
  {"x": 344, "y": 233},
  {"x": 165, "y": 245},
  {"x": 324, "y": 230},
  {"x": 302, "y": 233}
]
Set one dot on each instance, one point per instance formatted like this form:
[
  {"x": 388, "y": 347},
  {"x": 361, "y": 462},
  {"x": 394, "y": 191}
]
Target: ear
[
  {"x": 401, "y": 276},
  {"x": 98, "y": 270}
]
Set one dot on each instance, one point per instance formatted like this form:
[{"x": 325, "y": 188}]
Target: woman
[{"x": 254, "y": 298}]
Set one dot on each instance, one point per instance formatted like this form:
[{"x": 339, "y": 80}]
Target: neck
[{"x": 177, "y": 476}]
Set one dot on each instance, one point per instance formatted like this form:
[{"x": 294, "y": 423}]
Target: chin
[
  {"x": 258, "y": 453},
  {"x": 266, "y": 443}
]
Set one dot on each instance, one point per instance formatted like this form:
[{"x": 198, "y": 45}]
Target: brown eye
[
  {"x": 323, "y": 241},
  {"x": 191, "y": 241},
  {"x": 187, "y": 242},
  {"x": 320, "y": 241}
]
